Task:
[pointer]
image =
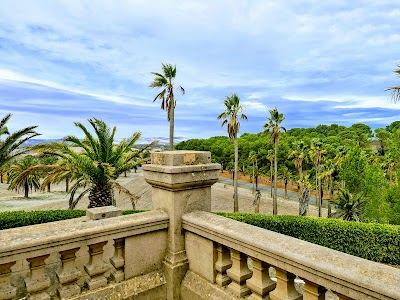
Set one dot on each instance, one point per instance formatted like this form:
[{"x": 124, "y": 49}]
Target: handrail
[{"x": 334, "y": 270}]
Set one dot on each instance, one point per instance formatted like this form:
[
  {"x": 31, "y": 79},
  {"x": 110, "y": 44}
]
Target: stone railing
[
  {"x": 178, "y": 251},
  {"x": 83, "y": 258},
  {"x": 221, "y": 250}
]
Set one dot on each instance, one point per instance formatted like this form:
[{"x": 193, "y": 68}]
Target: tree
[
  {"x": 96, "y": 166},
  {"x": 165, "y": 82},
  {"x": 253, "y": 160},
  {"x": 316, "y": 154},
  {"x": 270, "y": 157},
  {"x": 285, "y": 175},
  {"x": 298, "y": 154},
  {"x": 20, "y": 177},
  {"x": 10, "y": 145},
  {"x": 233, "y": 112},
  {"x": 349, "y": 207},
  {"x": 395, "y": 90},
  {"x": 327, "y": 173},
  {"x": 274, "y": 126}
]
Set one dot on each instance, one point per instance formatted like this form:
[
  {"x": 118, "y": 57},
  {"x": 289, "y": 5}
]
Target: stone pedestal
[{"x": 181, "y": 182}]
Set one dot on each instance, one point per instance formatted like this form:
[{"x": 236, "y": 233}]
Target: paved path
[{"x": 266, "y": 189}]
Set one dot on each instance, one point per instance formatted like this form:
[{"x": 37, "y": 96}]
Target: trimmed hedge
[
  {"x": 372, "y": 241},
  {"x": 12, "y": 219}
]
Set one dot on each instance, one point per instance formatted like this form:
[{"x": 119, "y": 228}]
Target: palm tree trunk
[
  {"x": 271, "y": 179},
  {"x": 330, "y": 198},
  {"x": 48, "y": 187},
  {"x": 66, "y": 185},
  {"x": 26, "y": 189},
  {"x": 286, "y": 182},
  {"x": 171, "y": 124},
  {"x": 235, "y": 177},
  {"x": 100, "y": 195},
  {"x": 275, "y": 200},
  {"x": 253, "y": 177},
  {"x": 320, "y": 197}
]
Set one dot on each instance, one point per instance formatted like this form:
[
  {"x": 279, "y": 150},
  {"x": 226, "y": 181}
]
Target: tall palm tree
[
  {"x": 10, "y": 144},
  {"x": 20, "y": 177},
  {"x": 316, "y": 154},
  {"x": 286, "y": 174},
  {"x": 230, "y": 116},
  {"x": 274, "y": 126},
  {"x": 327, "y": 173},
  {"x": 298, "y": 154},
  {"x": 395, "y": 90},
  {"x": 270, "y": 157},
  {"x": 96, "y": 166},
  {"x": 165, "y": 82},
  {"x": 253, "y": 160}
]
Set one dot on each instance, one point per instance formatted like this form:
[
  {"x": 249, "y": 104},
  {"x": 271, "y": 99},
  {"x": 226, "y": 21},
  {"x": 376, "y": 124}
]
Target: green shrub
[
  {"x": 12, "y": 219},
  {"x": 372, "y": 241}
]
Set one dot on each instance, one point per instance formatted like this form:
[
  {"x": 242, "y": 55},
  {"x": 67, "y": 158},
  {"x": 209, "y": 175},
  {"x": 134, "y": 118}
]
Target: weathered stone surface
[
  {"x": 201, "y": 262},
  {"x": 144, "y": 253},
  {"x": 342, "y": 273},
  {"x": 98, "y": 213},
  {"x": 181, "y": 157}
]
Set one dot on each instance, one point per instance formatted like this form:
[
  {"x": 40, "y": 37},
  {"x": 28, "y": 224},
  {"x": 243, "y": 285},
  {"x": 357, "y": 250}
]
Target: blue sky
[{"x": 318, "y": 62}]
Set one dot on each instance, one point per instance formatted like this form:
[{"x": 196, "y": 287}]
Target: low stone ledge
[
  {"x": 332, "y": 269},
  {"x": 104, "y": 212},
  {"x": 62, "y": 235}
]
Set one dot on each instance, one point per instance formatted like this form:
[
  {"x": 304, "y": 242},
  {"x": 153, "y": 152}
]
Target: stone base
[
  {"x": 239, "y": 290},
  {"x": 96, "y": 282},
  {"x": 117, "y": 276},
  {"x": 40, "y": 296},
  {"x": 222, "y": 280},
  {"x": 66, "y": 292}
]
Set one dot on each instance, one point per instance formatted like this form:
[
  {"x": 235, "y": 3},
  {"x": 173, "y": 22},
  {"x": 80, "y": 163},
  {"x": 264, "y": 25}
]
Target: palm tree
[
  {"x": 327, "y": 173},
  {"x": 253, "y": 160},
  {"x": 298, "y": 154},
  {"x": 316, "y": 154},
  {"x": 274, "y": 125},
  {"x": 96, "y": 166},
  {"x": 165, "y": 82},
  {"x": 286, "y": 174},
  {"x": 20, "y": 177},
  {"x": 349, "y": 207},
  {"x": 395, "y": 90},
  {"x": 233, "y": 112},
  {"x": 10, "y": 145},
  {"x": 270, "y": 157}
]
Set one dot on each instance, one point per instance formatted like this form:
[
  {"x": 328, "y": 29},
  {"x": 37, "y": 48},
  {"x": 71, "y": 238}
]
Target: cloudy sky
[{"x": 318, "y": 62}]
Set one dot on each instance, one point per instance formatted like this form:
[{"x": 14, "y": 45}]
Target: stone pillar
[
  {"x": 222, "y": 264},
  {"x": 181, "y": 182},
  {"x": 285, "y": 289},
  {"x": 38, "y": 282},
  {"x": 313, "y": 291},
  {"x": 117, "y": 261},
  {"x": 239, "y": 273},
  {"x": 96, "y": 266},
  {"x": 260, "y": 283},
  {"x": 68, "y": 275}
]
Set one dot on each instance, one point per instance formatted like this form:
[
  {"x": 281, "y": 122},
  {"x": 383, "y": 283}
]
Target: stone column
[{"x": 181, "y": 182}]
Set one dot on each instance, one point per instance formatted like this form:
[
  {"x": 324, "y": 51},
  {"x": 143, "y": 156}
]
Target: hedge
[
  {"x": 372, "y": 241},
  {"x": 12, "y": 219}
]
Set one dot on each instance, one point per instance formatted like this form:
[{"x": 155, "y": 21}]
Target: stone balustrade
[
  {"x": 227, "y": 248},
  {"x": 80, "y": 257},
  {"x": 179, "y": 251}
]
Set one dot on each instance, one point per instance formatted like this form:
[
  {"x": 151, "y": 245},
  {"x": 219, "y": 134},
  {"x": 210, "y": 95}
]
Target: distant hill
[{"x": 142, "y": 141}]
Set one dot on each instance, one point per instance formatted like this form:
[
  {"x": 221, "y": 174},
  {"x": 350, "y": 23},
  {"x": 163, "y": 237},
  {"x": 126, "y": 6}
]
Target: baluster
[
  {"x": 285, "y": 289},
  {"x": 118, "y": 262},
  {"x": 313, "y": 291},
  {"x": 38, "y": 282},
  {"x": 96, "y": 266},
  {"x": 260, "y": 283},
  {"x": 222, "y": 264},
  {"x": 239, "y": 272},
  {"x": 7, "y": 291},
  {"x": 68, "y": 275}
]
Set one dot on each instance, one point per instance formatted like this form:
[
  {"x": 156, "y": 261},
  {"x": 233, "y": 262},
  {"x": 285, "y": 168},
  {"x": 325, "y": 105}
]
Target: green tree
[
  {"x": 274, "y": 126},
  {"x": 253, "y": 160},
  {"x": 233, "y": 112},
  {"x": 21, "y": 177},
  {"x": 96, "y": 166},
  {"x": 327, "y": 173},
  {"x": 286, "y": 174},
  {"x": 298, "y": 154},
  {"x": 10, "y": 145},
  {"x": 352, "y": 170},
  {"x": 165, "y": 82}
]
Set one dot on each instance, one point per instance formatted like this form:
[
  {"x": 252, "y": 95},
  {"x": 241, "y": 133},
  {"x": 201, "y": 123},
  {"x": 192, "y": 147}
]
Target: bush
[
  {"x": 376, "y": 242},
  {"x": 12, "y": 219}
]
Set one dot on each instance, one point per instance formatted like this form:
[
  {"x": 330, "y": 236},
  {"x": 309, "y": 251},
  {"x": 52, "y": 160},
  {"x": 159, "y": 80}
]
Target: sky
[{"x": 317, "y": 62}]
